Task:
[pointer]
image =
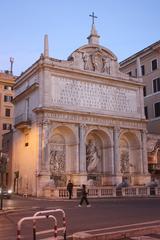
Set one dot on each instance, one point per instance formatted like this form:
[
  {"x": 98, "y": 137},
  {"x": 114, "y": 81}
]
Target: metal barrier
[
  {"x": 54, "y": 230},
  {"x": 49, "y": 212}
]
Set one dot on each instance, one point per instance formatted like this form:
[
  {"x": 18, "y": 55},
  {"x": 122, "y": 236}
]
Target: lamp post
[{"x": 3, "y": 164}]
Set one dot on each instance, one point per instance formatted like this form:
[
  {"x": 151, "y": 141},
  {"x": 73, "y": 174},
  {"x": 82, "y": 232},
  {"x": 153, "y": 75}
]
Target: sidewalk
[
  {"x": 140, "y": 231},
  {"x": 17, "y": 209},
  {"x": 149, "y": 237}
]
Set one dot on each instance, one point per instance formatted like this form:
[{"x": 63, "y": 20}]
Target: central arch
[{"x": 98, "y": 154}]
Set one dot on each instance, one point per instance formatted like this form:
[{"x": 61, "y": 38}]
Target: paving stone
[{"x": 144, "y": 238}]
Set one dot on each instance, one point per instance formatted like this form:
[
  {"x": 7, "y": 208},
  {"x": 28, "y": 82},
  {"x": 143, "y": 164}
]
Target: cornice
[
  {"x": 146, "y": 51},
  {"x": 58, "y": 110},
  {"x": 55, "y": 68},
  {"x": 27, "y": 91}
]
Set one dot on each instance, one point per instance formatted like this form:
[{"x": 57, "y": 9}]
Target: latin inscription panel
[{"x": 75, "y": 93}]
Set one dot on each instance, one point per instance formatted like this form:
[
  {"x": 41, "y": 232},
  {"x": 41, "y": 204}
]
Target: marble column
[
  {"x": 39, "y": 163},
  {"x": 116, "y": 132},
  {"x": 144, "y": 152},
  {"x": 82, "y": 149},
  {"x": 44, "y": 145}
]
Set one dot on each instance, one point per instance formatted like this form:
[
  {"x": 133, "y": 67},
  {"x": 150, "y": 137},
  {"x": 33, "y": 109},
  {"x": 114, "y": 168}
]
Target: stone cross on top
[{"x": 93, "y": 17}]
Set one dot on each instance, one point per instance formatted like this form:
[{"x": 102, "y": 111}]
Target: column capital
[
  {"x": 116, "y": 129},
  {"x": 83, "y": 125},
  {"x": 144, "y": 131}
]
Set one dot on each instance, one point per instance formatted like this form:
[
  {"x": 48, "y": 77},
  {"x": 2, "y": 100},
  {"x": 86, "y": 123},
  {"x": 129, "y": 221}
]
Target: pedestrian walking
[
  {"x": 84, "y": 194},
  {"x": 70, "y": 188}
]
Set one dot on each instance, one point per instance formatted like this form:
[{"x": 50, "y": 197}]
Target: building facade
[
  {"x": 150, "y": 71},
  {"x": 80, "y": 119},
  {"x": 6, "y": 124},
  {"x": 6, "y": 106},
  {"x": 7, "y": 151}
]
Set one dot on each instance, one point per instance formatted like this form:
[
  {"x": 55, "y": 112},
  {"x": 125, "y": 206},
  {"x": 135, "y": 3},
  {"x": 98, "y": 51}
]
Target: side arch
[
  {"x": 130, "y": 153},
  {"x": 62, "y": 151}
]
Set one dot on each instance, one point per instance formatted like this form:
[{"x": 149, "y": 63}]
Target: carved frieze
[{"x": 72, "y": 118}]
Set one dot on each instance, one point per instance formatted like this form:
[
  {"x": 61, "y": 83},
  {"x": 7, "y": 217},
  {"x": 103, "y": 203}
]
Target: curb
[
  {"x": 112, "y": 233},
  {"x": 11, "y": 210}
]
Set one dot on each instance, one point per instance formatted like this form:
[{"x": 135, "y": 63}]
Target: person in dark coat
[
  {"x": 70, "y": 188},
  {"x": 84, "y": 194}
]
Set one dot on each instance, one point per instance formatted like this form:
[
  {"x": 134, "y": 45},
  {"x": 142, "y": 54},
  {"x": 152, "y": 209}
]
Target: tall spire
[
  {"x": 93, "y": 37},
  {"x": 46, "y": 48}
]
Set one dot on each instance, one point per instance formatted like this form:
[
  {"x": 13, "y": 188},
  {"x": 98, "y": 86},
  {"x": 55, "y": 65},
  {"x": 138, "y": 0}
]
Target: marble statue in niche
[{"x": 92, "y": 156}]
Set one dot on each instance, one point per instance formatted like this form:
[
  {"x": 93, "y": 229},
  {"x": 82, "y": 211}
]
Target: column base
[
  {"x": 41, "y": 182},
  {"x": 111, "y": 180},
  {"x": 79, "y": 179},
  {"x": 140, "y": 179}
]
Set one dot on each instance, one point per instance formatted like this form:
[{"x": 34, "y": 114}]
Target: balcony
[{"x": 23, "y": 121}]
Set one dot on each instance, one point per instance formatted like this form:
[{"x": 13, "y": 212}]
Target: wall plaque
[{"x": 92, "y": 96}]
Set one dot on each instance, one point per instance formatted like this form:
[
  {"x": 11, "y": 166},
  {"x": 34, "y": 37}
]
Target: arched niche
[
  {"x": 98, "y": 152},
  {"x": 130, "y": 153},
  {"x": 62, "y": 151}
]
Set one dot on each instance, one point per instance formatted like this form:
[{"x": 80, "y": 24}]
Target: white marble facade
[{"x": 86, "y": 122}]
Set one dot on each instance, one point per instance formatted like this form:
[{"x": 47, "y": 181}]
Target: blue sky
[{"x": 124, "y": 26}]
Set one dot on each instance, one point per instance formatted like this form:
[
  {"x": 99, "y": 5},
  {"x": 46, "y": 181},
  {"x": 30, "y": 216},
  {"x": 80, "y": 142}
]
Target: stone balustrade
[{"x": 103, "y": 192}]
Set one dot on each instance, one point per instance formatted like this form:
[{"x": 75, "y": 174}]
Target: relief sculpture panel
[{"x": 57, "y": 164}]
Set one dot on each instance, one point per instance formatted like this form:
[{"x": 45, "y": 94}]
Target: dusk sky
[{"x": 124, "y": 26}]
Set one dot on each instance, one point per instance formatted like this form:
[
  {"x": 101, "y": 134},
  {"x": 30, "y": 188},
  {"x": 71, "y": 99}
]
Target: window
[
  {"x": 143, "y": 70},
  {"x": 157, "y": 109},
  {"x": 7, "y": 112},
  {"x": 144, "y": 91},
  {"x": 8, "y": 98},
  {"x": 146, "y": 112},
  {"x": 7, "y": 87},
  {"x": 154, "y": 64},
  {"x": 156, "y": 85},
  {"x": 129, "y": 73},
  {"x": 7, "y": 126}
]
